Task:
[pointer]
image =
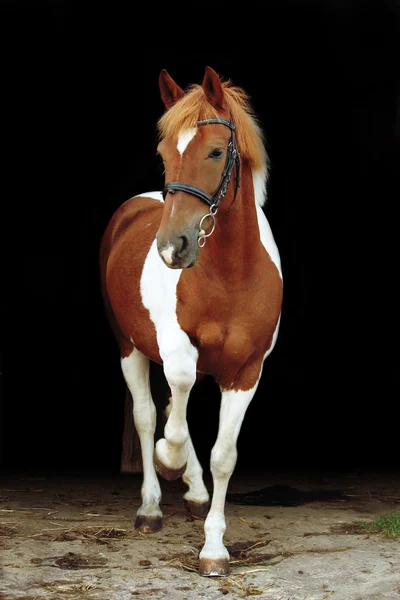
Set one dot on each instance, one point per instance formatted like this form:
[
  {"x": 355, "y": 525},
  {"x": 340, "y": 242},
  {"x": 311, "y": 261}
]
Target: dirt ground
[{"x": 291, "y": 537}]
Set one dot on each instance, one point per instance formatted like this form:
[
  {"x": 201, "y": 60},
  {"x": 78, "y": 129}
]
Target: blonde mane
[{"x": 193, "y": 106}]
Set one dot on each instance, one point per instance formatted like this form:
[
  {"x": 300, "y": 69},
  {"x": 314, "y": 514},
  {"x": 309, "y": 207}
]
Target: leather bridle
[{"x": 232, "y": 159}]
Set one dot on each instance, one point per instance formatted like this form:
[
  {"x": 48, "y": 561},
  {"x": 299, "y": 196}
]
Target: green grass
[{"x": 386, "y": 524}]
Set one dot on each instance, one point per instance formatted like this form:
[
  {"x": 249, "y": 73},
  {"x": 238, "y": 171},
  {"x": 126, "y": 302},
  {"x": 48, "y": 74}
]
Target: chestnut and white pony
[{"x": 191, "y": 279}]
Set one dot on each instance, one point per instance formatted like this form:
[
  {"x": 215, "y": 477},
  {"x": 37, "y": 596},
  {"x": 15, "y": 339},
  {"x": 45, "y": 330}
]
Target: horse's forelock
[{"x": 193, "y": 106}]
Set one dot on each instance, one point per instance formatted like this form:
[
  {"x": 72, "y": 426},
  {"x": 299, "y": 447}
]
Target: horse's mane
[{"x": 193, "y": 106}]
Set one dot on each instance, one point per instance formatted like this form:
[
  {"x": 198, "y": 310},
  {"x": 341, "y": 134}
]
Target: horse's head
[{"x": 195, "y": 159}]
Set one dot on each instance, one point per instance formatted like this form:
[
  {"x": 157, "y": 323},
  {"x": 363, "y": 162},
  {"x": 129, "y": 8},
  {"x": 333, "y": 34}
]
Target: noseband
[{"x": 212, "y": 200}]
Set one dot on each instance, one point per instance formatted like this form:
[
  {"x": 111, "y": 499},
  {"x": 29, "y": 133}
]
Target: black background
[{"x": 80, "y": 105}]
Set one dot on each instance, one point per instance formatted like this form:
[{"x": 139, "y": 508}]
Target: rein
[{"x": 212, "y": 200}]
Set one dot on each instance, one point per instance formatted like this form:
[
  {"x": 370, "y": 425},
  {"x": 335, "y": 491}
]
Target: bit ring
[{"x": 202, "y": 234}]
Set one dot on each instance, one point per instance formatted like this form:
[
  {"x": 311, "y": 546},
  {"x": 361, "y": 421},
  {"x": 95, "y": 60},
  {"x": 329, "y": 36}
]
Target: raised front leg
[
  {"x": 171, "y": 454},
  {"x": 214, "y": 557},
  {"x": 135, "y": 368}
]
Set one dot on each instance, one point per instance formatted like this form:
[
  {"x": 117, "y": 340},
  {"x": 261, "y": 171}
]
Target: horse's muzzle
[{"x": 178, "y": 252}]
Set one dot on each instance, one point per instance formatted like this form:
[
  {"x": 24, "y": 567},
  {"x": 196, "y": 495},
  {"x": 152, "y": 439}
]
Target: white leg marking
[
  {"x": 223, "y": 460},
  {"x": 184, "y": 138},
  {"x": 135, "y": 368},
  {"x": 193, "y": 476},
  {"x": 180, "y": 371},
  {"x": 158, "y": 289}
]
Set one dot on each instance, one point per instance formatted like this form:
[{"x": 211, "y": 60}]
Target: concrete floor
[{"x": 291, "y": 537}]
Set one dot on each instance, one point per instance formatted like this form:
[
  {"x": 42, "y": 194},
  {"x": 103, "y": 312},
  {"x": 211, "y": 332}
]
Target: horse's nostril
[{"x": 184, "y": 244}]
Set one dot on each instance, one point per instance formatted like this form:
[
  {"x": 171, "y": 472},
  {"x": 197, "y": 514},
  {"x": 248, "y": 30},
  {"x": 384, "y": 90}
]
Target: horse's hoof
[
  {"x": 148, "y": 524},
  {"x": 166, "y": 472},
  {"x": 198, "y": 510},
  {"x": 214, "y": 567}
]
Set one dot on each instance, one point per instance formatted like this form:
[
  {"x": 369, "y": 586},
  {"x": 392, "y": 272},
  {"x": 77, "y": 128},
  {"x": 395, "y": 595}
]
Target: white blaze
[{"x": 184, "y": 138}]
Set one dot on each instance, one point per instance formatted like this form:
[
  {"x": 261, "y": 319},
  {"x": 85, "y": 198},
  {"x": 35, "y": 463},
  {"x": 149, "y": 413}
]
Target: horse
[{"x": 191, "y": 279}]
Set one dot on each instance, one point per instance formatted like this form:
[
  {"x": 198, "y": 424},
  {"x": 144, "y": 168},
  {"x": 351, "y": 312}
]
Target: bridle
[{"x": 212, "y": 200}]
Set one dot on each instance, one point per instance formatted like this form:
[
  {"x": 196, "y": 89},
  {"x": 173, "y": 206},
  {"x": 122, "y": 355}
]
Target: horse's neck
[{"x": 233, "y": 249}]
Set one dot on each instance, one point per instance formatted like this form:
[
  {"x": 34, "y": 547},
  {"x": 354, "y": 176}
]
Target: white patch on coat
[
  {"x": 135, "y": 368},
  {"x": 158, "y": 290},
  {"x": 268, "y": 241},
  {"x": 274, "y": 338},
  {"x": 154, "y": 195},
  {"x": 260, "y": 186},
  {"x": 158, "y": 286},
  {"x": 184, "y": 138}
]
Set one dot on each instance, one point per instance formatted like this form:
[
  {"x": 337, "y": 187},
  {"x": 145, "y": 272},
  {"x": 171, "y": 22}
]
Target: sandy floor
[{"x": 291, "y": 537}]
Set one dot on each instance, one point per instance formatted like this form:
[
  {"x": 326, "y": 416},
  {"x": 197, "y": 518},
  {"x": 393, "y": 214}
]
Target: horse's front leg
[
  {"x": 196, "y": 499},
  {"x": 171, "y": 453},
  {"x": 214, "y": 557},
  {"x": 135, "y": 368}
]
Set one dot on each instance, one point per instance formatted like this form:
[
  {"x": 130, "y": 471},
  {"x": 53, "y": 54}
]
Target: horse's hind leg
[
  {"x": 135, "y": 368},
  {"x": 197, "y": 498}
]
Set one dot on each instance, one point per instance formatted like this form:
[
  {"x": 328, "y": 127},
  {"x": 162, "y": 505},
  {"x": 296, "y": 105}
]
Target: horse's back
[{"x": 133, "y": 216}]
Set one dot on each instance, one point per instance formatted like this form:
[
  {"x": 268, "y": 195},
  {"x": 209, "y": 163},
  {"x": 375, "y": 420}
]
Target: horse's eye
[{"x": 217, "y": 153}]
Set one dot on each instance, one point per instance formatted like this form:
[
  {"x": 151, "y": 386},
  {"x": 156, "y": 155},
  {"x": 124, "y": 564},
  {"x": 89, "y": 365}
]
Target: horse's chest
[
  {"x": 223, "y": 344},
  {"x": 229, "y": 330}
]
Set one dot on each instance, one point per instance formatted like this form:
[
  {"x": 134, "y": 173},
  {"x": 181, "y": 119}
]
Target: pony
[{"x": 191, "y": 279}]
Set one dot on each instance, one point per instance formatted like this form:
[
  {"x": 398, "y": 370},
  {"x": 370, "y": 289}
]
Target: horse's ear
[
  {"x": 170, "y": 91},
  {"x": 213, "y": 89}
]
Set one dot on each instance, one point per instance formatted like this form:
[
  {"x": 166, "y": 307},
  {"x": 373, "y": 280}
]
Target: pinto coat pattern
[{"x": 196, "y": 308}]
